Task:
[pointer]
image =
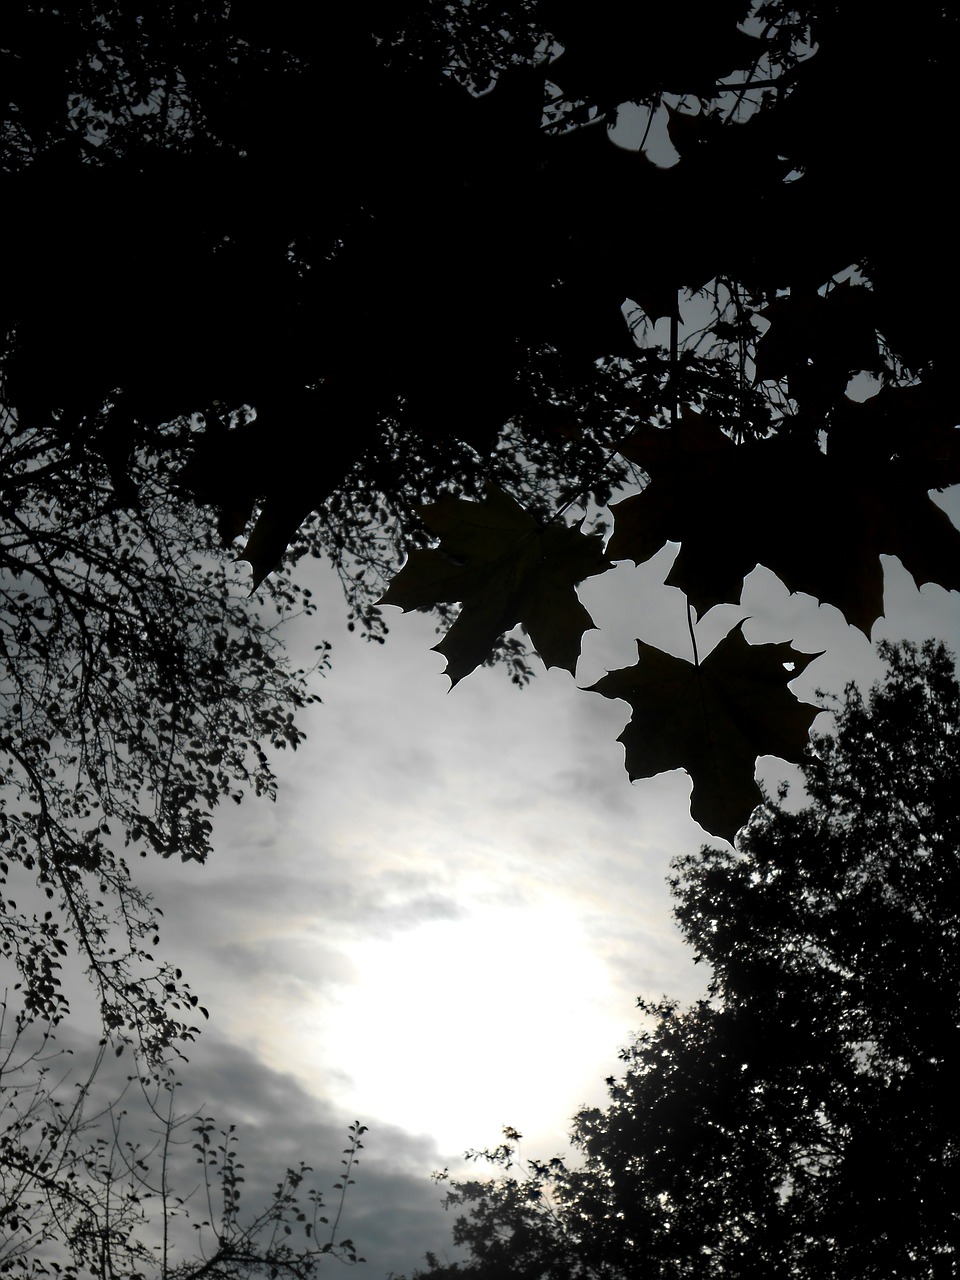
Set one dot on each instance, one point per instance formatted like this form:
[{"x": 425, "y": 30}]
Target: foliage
[
  {"x": 482, "y": 295},
  {"x": 139, "y": 688},
  {"x": 734, "y": 508},
  {"x": 115, "y": 1189},
  {"x": 506, "y": 569},
  {"x": 798, "y": 1121},
  {"x": 713, "y": 720},
  {"x": 329, "y": 287}
]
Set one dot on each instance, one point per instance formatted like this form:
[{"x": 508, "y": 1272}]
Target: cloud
[
  {"x": 409, "y": 819},
  {"x": 392, "y": 1212}
]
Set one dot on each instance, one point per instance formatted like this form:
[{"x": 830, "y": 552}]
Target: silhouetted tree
[
  {"x": 316, "y": 279},
  {"x": 800, "y": 1120},
  {"x": 401, "y": 258},
  {"x": 138, "y": 688}
]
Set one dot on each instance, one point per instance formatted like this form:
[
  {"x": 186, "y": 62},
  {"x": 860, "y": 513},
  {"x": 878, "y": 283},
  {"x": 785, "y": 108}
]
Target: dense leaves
[
  {"x": 713, "y": 719},
  {"x": 472, "y": 300},
  {"x": 503, "y": 224},
  {"x": 139, "y": 688},
  {"x": 800, "y": 1120},
  {"x": 732, "y": 508}
]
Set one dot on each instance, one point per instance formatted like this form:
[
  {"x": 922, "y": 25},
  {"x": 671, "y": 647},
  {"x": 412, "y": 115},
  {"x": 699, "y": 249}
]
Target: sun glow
[{"x": 458, "y": 1027}]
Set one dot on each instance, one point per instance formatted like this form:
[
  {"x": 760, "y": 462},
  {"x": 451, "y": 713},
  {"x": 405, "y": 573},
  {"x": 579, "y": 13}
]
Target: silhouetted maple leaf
[
  {"x": 240, "y": 468},
  {"x": 713, "y": 721},
  {"x": 506, "y": 568},
  {"x": 275, "y": 529},
  {"x": 818, "y": 342},
  {"x": 914, "y": 424},
  {"x": 819, "y": 522}
]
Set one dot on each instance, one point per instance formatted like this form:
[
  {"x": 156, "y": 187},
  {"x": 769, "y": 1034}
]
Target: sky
[{"x": 443, "y": 925}]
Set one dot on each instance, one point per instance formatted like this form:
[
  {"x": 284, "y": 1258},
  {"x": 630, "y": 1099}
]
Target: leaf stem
[
  {"x": 693, "y": 637},
  {"x": 674, "y": 363}
]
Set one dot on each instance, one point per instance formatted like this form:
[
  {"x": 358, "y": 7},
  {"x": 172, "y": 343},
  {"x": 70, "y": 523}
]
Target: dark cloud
[{"x": 393, "y": 1212}]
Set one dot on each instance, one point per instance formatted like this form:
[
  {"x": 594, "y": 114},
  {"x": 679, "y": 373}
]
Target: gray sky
[{"x": 443, "y": 925}]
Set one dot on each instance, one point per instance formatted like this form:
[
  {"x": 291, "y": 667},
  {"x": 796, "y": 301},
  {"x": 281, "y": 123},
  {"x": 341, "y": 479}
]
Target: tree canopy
[
  {"x": 409, "y": 264},
  {"x": 799, "y": 1121},
  {"x": 441, "y": 294},
  {"x": 139, "y": 688}
]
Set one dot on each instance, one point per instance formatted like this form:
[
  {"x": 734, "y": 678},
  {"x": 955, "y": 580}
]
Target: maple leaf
[
  {"x": 713, "y": 720},
  {"x": 819, "y": 522},
  {"x": 505, "y": 568},
  {"x": 279, "y": 461},
  {"x": 818, "y": 342},
  {"x": 275, "y": 529}
]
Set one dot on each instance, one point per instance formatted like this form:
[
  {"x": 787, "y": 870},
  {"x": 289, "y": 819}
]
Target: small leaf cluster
[{"x": 109, "y": 1189}]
